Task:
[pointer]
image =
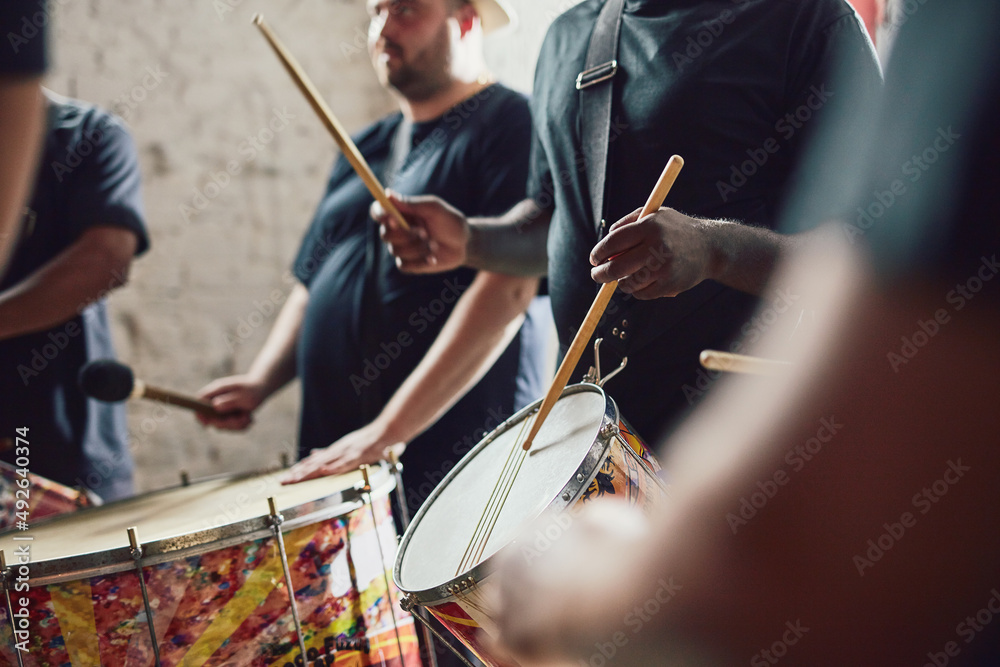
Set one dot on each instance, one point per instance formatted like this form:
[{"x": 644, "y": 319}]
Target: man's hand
[
  {"x": 366, "y": 445},
  {"x": 544, "y": 614},
  {"x": 436, "y": 240},
  {"x": 235, "y": 398},
  {"x": 663, "y": 254}
]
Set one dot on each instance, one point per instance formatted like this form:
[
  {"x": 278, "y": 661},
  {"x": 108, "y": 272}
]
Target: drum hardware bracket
[
  {"x": 366, "y": 490},
  {"x": 593, "y": 375},
  {"x": 136, "y": 550},
  {"x": 609, "y": 431},
  {"x": 276, "y": 519},
  {"x": 409, "y": 604},
  {"x": 462, "y": 586}
]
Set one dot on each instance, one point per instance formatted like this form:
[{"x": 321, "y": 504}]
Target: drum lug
[
  {"x": 407, "y": 602},
  {"x": 609, "y": 431}
]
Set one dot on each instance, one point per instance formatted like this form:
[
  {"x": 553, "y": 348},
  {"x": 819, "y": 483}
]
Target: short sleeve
[
  {"x": 105, "y": 188},
  {"x": 504, "y": 163},
  {"x": 24, "y": 24},
  {"x": 540, "y": 184}
]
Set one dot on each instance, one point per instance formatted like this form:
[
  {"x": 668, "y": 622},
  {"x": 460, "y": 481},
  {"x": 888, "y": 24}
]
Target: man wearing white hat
[{"x": 355, "y": 327}]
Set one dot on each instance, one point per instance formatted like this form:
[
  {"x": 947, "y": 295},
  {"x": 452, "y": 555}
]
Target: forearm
[
  {"x": 274, "y": 365},
  {"x": 514, "y": 243},
  {"x": 64, "y": 286},
  {"x": 20, "y": 140},
  {"x": 744, "y": 257},
  {"x": 481, "y": 326}
]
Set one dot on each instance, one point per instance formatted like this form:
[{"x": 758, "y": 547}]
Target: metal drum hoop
[
  {"x": 578, "y": 483},
  {"x": 71, "y": 568}
]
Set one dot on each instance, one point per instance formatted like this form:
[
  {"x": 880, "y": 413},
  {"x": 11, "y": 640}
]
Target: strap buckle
[{"x": 595, "y": 75}]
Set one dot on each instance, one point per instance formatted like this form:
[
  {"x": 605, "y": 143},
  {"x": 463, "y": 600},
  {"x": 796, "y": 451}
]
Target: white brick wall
[{"x": 193, "y": 79}]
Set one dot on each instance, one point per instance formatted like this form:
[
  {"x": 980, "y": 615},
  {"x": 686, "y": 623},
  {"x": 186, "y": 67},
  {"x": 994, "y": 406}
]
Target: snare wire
[{"x": 494, "y": 506}]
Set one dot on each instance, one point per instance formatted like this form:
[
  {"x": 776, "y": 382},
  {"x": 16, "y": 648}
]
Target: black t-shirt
[
  {"x": 88, "y": 176},
  {"x": 734, "y": 87},
  {"x": 24, "y": 26},
  {"x": 353, "y": 356}
]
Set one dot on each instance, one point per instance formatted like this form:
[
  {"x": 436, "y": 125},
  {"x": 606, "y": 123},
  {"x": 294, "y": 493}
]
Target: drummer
[
  {"x": 737, "y": 110},
  {"x": 354, "y": 326},
  {"x": 896, "y": 513},
  {"x": 83, "y": 226}
]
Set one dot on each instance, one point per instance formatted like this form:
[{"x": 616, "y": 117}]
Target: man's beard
[{"x": 425, "y": 75}]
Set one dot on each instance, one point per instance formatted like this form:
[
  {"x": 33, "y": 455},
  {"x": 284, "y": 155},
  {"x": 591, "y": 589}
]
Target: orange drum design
[{"x": 230, "y": 605}]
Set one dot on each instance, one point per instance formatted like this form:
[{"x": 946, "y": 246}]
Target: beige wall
[{"x": 193, "y": 80}]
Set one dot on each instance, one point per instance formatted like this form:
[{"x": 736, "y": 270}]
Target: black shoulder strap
[{"x": 595, "y": 86}]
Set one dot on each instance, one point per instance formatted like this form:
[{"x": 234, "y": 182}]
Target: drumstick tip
[{"x": 258, "y": 19}]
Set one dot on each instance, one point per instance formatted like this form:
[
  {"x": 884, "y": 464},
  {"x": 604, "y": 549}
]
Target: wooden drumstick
[
  {"x": 343, "y": 140},
  {"x": 576, "y": 348},
  {"x": 714, "y": 360}
]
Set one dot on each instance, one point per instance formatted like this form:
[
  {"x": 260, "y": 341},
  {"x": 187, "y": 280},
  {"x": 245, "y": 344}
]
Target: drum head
[
  {"x": 203, "y": 507},
  {"x": 433, "y": 548}
]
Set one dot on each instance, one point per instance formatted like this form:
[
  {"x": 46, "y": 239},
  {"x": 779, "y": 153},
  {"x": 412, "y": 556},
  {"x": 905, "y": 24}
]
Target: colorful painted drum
[
  {"x": 214, "y": 578},
  {"x": 584, "y": 450},
  {"x": 42, "y": 497}
]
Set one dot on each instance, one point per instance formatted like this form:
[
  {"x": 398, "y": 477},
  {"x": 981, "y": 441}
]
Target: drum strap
[{"x": 596, "y": 84}]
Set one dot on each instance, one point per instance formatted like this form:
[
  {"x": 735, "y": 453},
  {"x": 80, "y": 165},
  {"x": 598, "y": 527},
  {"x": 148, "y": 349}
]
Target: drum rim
[
  {"x": 568, "y": 495},
  {"x": 120, "y": 559}
]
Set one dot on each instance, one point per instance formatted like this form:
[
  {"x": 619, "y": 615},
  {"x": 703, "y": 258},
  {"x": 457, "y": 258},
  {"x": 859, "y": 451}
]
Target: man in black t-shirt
[
  {"x": 846, "y": 512},
  {"x": 355, "y": 327},
  {"x": 733, "y": 86},
  {"x": 83, "y": 225},
  {"x": 24, "y": 26}
]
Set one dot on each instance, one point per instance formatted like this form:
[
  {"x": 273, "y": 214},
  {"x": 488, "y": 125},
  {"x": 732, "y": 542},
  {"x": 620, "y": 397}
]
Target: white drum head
[
  {"x": 435, "y": 543},
  {"x": 172, "y": 513}
]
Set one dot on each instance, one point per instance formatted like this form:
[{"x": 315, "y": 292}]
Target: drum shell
[
  {"x": 618, "y": 465},
  {"x": 219, "y": 595}
]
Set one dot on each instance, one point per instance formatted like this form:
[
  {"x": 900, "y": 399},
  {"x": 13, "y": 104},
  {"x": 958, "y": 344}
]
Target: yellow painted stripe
[
  {"x": 460, "y": 621},
  {"x": 252, "y": 593},
  {"x": 74, "y": 608}
]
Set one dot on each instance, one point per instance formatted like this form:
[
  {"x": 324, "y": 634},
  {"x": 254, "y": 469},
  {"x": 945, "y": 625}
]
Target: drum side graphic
[{"x": 230, "y": 605}]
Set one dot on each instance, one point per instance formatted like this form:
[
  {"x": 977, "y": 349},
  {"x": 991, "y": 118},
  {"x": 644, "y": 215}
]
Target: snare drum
[
  {"x": 214, "y": 575},
  {"x": 584, "y": 450},
  {"x": 42, "y": 497}
]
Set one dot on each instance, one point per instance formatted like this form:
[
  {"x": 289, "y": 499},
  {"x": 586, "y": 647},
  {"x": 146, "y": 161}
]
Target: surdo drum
[
  {"x": 214, "y": 579},
  {"x": 585, "y": 450}
]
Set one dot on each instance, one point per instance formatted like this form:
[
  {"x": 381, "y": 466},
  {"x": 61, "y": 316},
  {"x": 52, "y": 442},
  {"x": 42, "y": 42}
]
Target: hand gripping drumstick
[
  {"x": 714, "y": 360},
  {"x": 656, "y": 197},
  {"x": 343, "y": 140}
]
